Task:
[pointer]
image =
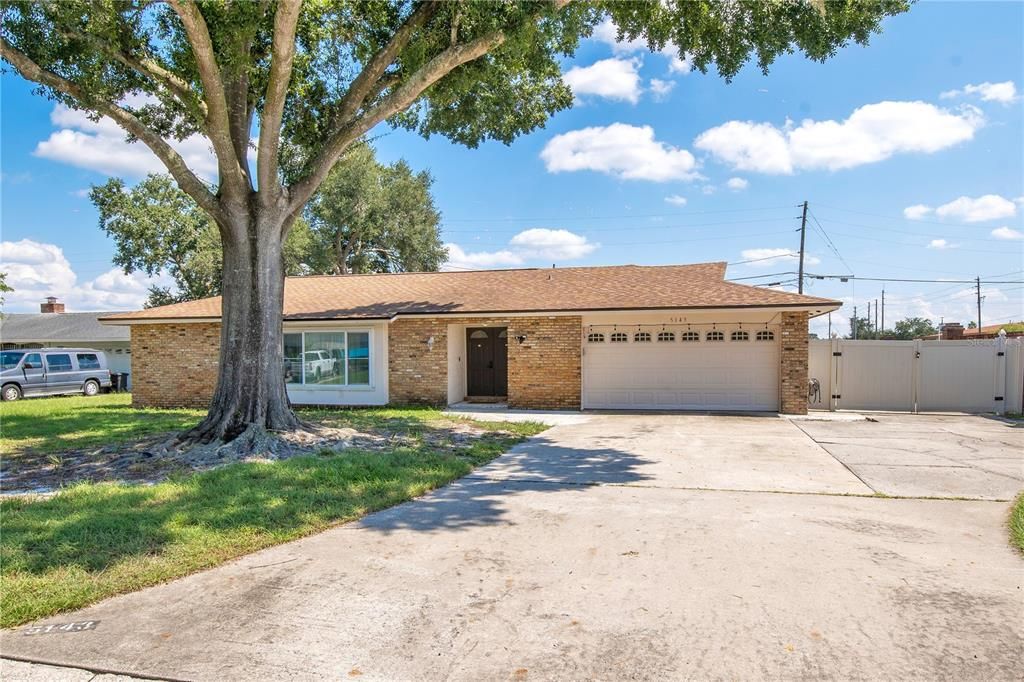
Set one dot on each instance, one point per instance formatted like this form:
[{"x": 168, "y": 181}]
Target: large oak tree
[{"x": 314, "y": 77}]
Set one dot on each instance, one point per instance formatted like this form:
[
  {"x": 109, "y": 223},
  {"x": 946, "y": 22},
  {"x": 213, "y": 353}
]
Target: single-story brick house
[{"x": 620, "y": 337}]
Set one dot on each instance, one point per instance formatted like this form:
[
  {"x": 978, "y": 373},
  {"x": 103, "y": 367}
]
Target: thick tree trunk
[{"x": 250, "y": 397}]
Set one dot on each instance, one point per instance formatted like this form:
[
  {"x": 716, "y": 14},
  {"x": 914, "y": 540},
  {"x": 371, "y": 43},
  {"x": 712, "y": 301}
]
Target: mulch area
[{"x": 154, "y": 458}]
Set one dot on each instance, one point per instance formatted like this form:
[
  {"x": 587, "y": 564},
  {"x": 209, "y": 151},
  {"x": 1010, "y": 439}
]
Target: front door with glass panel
[{"x": 487, "y": 361}]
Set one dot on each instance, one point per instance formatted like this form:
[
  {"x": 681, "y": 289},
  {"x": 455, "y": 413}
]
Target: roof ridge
[{"x": 534, "y": 269}]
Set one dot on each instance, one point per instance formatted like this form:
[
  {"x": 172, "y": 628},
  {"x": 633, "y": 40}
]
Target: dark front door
[{"x": 487, "y": 361}]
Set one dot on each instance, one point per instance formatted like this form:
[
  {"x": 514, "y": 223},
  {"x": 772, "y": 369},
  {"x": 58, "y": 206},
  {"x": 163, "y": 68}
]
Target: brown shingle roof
[{"x": 621, "y": 287}]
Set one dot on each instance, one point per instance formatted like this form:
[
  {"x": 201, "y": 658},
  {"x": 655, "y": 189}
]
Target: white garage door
[{"x": 721, "y": 369}]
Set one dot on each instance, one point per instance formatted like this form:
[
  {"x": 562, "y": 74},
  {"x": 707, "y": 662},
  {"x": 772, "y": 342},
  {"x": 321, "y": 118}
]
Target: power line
[
  {"x": 829, "y": 242},
  {"x": 908, "y": 232},
  {"x": 615, "y": 217},
  {"x": 902, "y": 218},
  {"x": 620, "y": 228},
  {"x": 927, "y": 281},
  {"x": 770, "y": 274},
  {"x": 758, "y": 260}
]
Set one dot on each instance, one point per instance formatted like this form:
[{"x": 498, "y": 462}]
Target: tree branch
[
  {"x": 398, "y": 100},
  {"x": 378, "y": 64},
  {"x": 186, "y": 179},
  {"x": 233, "y": 170},
  {"x": 150, "y": 68},
  {"x": 282, "y": 58}
]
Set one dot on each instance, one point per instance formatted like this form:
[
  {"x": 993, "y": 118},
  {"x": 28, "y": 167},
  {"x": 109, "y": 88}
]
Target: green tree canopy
[
  {"x": 158, "y": 229},
  {"x": 317, "y": 76},
  {"x": 911, "y": 328},
  {"x": 861, "y": 328},
  {"x": 370, "y": 217}
]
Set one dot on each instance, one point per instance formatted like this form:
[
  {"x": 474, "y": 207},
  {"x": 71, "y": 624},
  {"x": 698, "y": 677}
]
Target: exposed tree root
[{"x": 259, "y": 443}]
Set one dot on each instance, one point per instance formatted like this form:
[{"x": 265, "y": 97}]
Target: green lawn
[
  {"x": 1017, "y": 523},
  {"x": 95, "y": 540},
  {"x": 46, "y": 425}
]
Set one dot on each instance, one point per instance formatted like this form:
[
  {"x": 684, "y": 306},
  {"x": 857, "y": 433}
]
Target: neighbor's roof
[
  {"x": 621, "y": 287},
  {"x": 994, "y": 328},
  {"x": 54, "y": 327}
]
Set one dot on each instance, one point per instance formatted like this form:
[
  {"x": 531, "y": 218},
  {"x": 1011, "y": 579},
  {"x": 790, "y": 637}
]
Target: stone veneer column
[{"x": 793, "y": 359}]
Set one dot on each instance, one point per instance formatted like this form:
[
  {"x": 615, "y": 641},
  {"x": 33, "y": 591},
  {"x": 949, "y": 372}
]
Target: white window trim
[{"x": 303, "y": 386}]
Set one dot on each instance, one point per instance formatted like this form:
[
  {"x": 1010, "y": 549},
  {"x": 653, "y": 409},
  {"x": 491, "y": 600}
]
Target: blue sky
[{"x": 909, "y": 152}]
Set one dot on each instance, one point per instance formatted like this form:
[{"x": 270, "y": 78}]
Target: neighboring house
[
  {"x": 623, "y": 337},
  {"x": 954, "y": 331},
  {"x": 52, "y": 327}
]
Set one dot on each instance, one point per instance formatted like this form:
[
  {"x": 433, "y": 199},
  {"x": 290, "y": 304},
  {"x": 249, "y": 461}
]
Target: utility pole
[
  {"x": 877, "y": 334},
  {"x": 856, "y": 323},
  {"x": 803, "y": 239},
  {"x": 978, "y": 289},
  {"x": 883, "y": 308},
  {"x": 869, "y": 314}
]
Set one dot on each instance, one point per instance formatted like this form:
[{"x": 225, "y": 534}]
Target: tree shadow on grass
[{"x": 256, "y": 504}]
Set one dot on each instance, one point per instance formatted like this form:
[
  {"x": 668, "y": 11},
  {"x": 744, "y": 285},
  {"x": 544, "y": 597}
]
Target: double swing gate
[{"x": 983, "y": 375}]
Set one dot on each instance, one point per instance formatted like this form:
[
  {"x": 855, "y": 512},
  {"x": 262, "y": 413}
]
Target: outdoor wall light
[
  {"x": 430, "y": 343},
  {"x": 521, "y": 338}
]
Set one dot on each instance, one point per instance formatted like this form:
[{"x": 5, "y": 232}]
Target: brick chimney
[
  {"x": 51, "y": 305},
  {"x": 951, "y": 331}
]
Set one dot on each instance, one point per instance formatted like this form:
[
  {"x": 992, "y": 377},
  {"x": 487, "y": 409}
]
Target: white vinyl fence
[{"x": 984, "y": 375}]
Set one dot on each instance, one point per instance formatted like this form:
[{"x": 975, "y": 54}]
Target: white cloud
[
  {"x": 101, "y": 146},
  {"x": 661, "y": 88},
  {"x": 872, "y": 133},
  {"x": 941, "y": 244},
  {"x": 1007, "y": 233},
  {"x": 675, "y": 200},
  {"x": 916, "y": 212},
  {"x": 458, "y": 259},
  {"x": 543, "y": 243},
  {"x": 971, "y": 210},
  {"x": 765, "y": 257},
  {"x": 1004, "y": 93},
  {"x": 737, "y": 184},
  {"x": 535, "y": 244},
  {"x": 677, "y": 63},
  {"x": 748, "y": 146},
  {"x": 624, "y": 151},
  {"x": 707, "y": 190},
  {"x": 613, "y": 78},
  {"x": 607, "y": 33},
  {"x": 36, "y": 270}
]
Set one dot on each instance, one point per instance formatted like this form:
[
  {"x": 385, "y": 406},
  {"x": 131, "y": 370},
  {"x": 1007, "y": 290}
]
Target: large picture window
[{"x": 336, "y": 358}]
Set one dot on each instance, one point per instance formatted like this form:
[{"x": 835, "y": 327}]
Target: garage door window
[
  {"x": 667, "y": 337},
  {"x": 595, "y": 337},
  {"x": 619, "y": 337},
  {"x": 715, "y": 336},
  {"x": 740, "y": 336},
  {"x": 765, "y": 335},
  {"x": 689, "y": 337},
  {"x": 642, "y": 337}
]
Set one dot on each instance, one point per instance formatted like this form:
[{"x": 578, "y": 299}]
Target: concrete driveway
[{"x": 637, "y": 547}]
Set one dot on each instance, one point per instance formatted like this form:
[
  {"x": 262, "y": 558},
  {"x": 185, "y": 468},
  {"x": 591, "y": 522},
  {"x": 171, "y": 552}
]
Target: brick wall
[
  {"x": 174, "y": 365},
  {"x": 795, "y": 346},
  {"x": 417, "y": 374},
  {"x": 543, "y": 371}
]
